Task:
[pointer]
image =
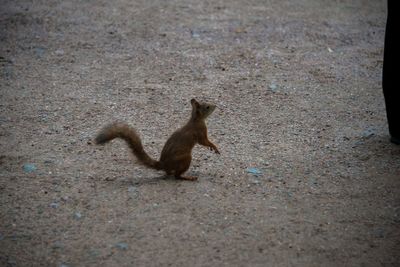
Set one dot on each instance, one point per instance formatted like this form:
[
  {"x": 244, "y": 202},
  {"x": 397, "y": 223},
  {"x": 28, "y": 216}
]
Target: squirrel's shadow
[
  {"x": 152, "y": 180},
  {"x": 142, "y": 181}
]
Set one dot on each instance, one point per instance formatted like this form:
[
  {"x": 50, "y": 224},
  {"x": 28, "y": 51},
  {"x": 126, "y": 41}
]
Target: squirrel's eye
[{"x": 208, "y": 107}]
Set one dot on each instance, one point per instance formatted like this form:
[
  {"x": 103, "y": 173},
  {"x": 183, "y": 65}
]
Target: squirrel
[{"x": 177, "y": 152}]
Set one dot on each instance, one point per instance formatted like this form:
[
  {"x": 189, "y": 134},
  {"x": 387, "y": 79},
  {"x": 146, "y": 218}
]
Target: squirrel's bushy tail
[{"x": 123, "y": 131}]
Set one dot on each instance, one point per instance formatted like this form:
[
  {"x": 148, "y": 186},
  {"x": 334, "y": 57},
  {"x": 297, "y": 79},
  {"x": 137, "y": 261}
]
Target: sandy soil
[{"x": 298, "y": 90}]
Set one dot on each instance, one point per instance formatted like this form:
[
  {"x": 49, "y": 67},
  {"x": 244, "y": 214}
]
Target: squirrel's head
[{"x": 201, "y": 110}]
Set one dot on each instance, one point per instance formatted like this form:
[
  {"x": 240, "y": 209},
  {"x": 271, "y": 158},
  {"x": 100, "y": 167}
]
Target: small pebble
[
  {"x": 367, "y": 133},
  {"x": 11, "y": 262},
  {"x": 273, "y": 87},
  {"x": 358, "y": 143},
  {"x": 39, "y": 51},
  {"x": 78, "y": 215},
  {"x": 29, "y": 167},
  {"x": 122, "y": 245},
  {"x": 58, "y": 245},
  {"x": 379, "y": 233},
  {"x": 195, "y": 34},
  {"x": 94, "y": 253},
  {"x": 59, "y": 52},
  {"x": 132, "y": 189},
  {"x": 254, "y": 171},
  {"x": 54, "y": 205}
]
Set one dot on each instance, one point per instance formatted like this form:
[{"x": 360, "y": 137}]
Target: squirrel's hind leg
[{"x": 180, "y": 165}]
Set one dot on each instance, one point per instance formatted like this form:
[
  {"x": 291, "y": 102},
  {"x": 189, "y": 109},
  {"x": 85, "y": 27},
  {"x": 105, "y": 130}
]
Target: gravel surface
[{"x": 306, "y": 175}]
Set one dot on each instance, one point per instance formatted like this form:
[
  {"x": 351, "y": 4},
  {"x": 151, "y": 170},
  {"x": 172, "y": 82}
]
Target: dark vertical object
[{"x": 390, "y": 82}]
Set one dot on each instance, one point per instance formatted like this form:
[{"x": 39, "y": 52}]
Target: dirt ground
[{"x": 306, "y": 175}]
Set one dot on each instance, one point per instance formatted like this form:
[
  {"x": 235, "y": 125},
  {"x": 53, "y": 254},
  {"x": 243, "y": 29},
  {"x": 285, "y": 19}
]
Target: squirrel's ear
[{"x": 194, "y": 102}]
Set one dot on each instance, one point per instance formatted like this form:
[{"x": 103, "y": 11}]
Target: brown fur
[{"x": 177, "y": 152}]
